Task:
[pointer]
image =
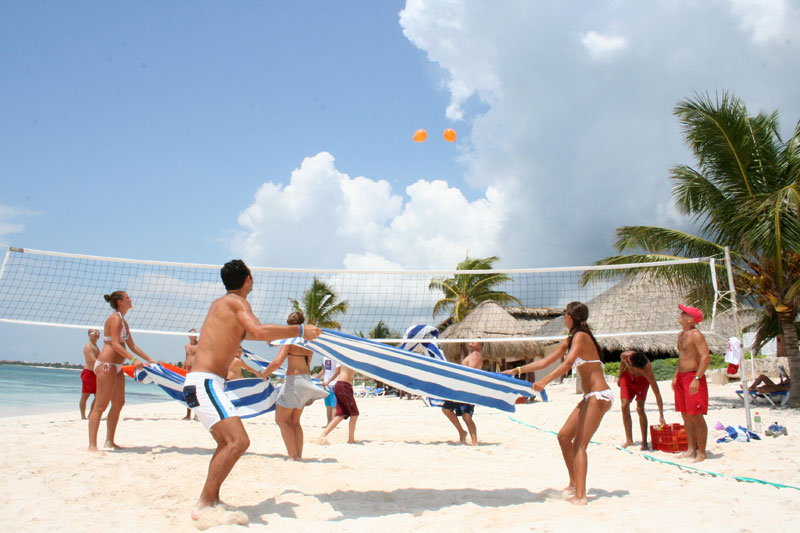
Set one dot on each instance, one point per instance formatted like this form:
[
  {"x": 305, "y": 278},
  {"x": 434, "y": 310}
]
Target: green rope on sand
[{"x": 687, "y": 468}]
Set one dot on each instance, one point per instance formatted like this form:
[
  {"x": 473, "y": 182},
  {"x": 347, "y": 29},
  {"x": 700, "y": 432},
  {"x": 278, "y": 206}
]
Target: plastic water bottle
[{"x": 757, "y": 423}]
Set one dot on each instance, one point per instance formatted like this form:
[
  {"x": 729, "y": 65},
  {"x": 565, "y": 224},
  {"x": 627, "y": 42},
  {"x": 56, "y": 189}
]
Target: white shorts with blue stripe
[{"x": 207, "y": 392}]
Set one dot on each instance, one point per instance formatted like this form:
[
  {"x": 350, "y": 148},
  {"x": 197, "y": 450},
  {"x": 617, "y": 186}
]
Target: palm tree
[
  {"x": 463, "y": 292},
  {"x": 320, "y": 305},
  {"x": 744, "y": 194},
  {"x": 380, "y": 331}
]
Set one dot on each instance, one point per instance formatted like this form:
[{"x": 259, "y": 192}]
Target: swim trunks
[
  {"x": 298, "y": 391},
  {"x": 459, "y": 408},
  {"x": 691, "y": 404},
  {"x": 330, "y": 399},
  {"x": 633, "y": 387},
  {"x": 345, "y": 401},
  {"x": 88, "y": 382},
  {"x": 205, "y": 394}
]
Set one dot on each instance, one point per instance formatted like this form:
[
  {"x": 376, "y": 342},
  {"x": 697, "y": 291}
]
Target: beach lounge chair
[{"x": 775, "y": 399}]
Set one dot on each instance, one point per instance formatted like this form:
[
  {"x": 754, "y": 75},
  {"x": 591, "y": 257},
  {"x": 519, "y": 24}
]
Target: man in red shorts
[
  {"x": 88, "y": 377},
  {"x": 345, "y": 403},
  {"x": 689, "y": 383},
  {"x": 635, "y": 377}
]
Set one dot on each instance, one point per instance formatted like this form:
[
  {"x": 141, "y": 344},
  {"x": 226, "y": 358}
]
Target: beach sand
[{"x": 406, "y": 473}]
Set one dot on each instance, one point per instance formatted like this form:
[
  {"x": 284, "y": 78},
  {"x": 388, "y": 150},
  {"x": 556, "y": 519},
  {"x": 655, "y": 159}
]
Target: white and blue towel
[
  {"x": 416, "y": 336},
  {"x": 418, "y": 374},
  {"x": 250, "y": 396}
]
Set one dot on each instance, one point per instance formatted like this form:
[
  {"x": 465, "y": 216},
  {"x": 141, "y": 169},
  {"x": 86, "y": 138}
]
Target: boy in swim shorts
[
  {"x": 689, "y": 383},
  {"x": 345, "y": 403},
  {"x": 635, "y": 377},
  {"x": 452, "y": 410}
]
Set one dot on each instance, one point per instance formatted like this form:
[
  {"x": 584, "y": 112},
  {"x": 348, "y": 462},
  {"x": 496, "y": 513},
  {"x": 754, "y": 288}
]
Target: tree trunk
[{"x": 792, "y": 355}]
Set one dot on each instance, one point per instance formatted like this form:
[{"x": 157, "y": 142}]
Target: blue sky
[{"x": 280, "y": 132}]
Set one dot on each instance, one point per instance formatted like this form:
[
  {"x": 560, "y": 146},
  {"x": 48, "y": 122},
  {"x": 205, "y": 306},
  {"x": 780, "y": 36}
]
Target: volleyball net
[{"x": 66, "y": 290}]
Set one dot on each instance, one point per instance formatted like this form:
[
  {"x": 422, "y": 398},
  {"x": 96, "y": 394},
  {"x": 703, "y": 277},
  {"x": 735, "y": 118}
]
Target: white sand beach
[{"x": 406, "y": 474}]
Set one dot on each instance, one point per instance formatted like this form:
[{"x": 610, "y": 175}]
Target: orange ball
[
  {"x": 449, "y": 135},
  {"x": 420, "y": 135}
]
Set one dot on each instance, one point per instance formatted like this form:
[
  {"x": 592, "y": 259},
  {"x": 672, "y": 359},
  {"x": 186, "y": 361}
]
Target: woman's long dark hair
[{"x": 579, "y": 313}]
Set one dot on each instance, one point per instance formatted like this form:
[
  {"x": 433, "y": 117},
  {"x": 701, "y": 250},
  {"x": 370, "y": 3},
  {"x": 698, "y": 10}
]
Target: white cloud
[
  {"x": 10, "y": 223},
  {"x": 602, "y": 47},
  {"x": 324, "y": 218},
  {"x": 576, "y": 151},
  {"x": 560, "y": 152},
  {"x": 769, "y": 21}
]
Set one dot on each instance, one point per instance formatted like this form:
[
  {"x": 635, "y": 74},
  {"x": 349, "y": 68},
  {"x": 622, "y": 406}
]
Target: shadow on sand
[{"x": 350, "y": 504}]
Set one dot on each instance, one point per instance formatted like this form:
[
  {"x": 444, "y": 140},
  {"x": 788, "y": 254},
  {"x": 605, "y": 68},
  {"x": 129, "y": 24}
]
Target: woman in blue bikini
[
  {"x": 108, "y": 368},
  {"x": 584, "y": 354}
]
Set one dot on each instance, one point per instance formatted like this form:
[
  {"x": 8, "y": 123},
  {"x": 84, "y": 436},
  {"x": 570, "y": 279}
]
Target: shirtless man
[
  {"x": 452, "y": 410},
  {"x": 230, "y": 319},
  {"x": 237, "y": 365},
  {"x": 635, "y": 377},
  {"x": 88, "y": 377},
  {"x": 689, "y": 383},
  {"x": 345, "y": 403},
  {"x": 190, "y": 350}
]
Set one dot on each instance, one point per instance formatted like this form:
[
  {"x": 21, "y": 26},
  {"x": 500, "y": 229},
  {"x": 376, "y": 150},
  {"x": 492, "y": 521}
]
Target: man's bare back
[
  {"x": 346, "y": 374},
  {"x": 223, "y": 331}
]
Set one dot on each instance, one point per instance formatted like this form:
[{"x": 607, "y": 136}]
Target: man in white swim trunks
[{"x": 230, "y": 319}]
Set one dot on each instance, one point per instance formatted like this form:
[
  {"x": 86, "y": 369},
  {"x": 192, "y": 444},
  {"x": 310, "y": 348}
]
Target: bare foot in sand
[
  {"x": 569, "y": 488},
  {"x": 217, "y": 515},
  {"x": 687, "y": 454},
  {"x": 645, "y": 447},
  {"x": 353, "y": 442},
  {"x": 94, "y": 450},
  {"x": 112, "y": 446},
  {"x": 577, "y": 501},
  {"x": 627, "y": 444},
  {"x": 700, "y": 457}
]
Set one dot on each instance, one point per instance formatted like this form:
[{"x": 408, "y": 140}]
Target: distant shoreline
[{"x": 65, "y": 366}]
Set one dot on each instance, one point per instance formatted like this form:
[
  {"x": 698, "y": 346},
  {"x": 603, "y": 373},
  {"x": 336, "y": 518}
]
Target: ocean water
[{"x": 26, "y": 390}]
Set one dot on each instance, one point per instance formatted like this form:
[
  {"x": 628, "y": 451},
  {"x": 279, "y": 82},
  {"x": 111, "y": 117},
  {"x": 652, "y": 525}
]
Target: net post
[
  {"x": 732, "y": 290},
  {"x": 5, "y": 260}
]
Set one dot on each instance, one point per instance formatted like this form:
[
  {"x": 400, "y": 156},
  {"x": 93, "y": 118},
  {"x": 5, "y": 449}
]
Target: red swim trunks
[
  {"x": 345, "y": 401},
  {"x": 691, "y": 404},
  {"x": 633, "y": 387},
  {"x": 88, "y": 382}
]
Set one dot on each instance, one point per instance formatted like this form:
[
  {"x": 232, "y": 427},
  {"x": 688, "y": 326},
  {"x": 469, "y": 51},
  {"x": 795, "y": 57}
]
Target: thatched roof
[
  {"x": 643, "y": 304},
  {"x": 490, "y": 320}
]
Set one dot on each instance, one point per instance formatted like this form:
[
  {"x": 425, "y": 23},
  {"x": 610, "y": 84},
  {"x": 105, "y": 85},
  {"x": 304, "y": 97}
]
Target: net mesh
[{"x": 51, "y": 288}]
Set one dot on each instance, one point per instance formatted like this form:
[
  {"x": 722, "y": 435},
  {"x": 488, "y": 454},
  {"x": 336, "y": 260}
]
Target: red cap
[{"x": 693, "y": 312}]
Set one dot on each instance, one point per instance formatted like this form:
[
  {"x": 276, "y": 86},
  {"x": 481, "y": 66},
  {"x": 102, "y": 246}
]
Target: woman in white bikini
[
  {"x": 584, "y": 354},
  {"x": 297, "y": 391},
  {"x": 108, "y": 368}
]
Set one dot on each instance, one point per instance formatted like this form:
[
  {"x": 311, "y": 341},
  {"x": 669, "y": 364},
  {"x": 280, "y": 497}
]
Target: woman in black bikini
[
  {"x": 108, "y": 368},
  {"x": 584, "y": 354},
  {"x": 296, "y": 393}
]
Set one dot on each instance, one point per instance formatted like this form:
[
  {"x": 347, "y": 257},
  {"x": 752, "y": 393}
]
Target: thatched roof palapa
[
  {"x": 643, "y": 304},
  {"x": 490, "y": 320}
]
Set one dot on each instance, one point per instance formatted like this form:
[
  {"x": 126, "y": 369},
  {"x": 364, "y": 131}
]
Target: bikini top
[
  {"x": 578, "y": 361},
  {"x": 123, "y": 334}
]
